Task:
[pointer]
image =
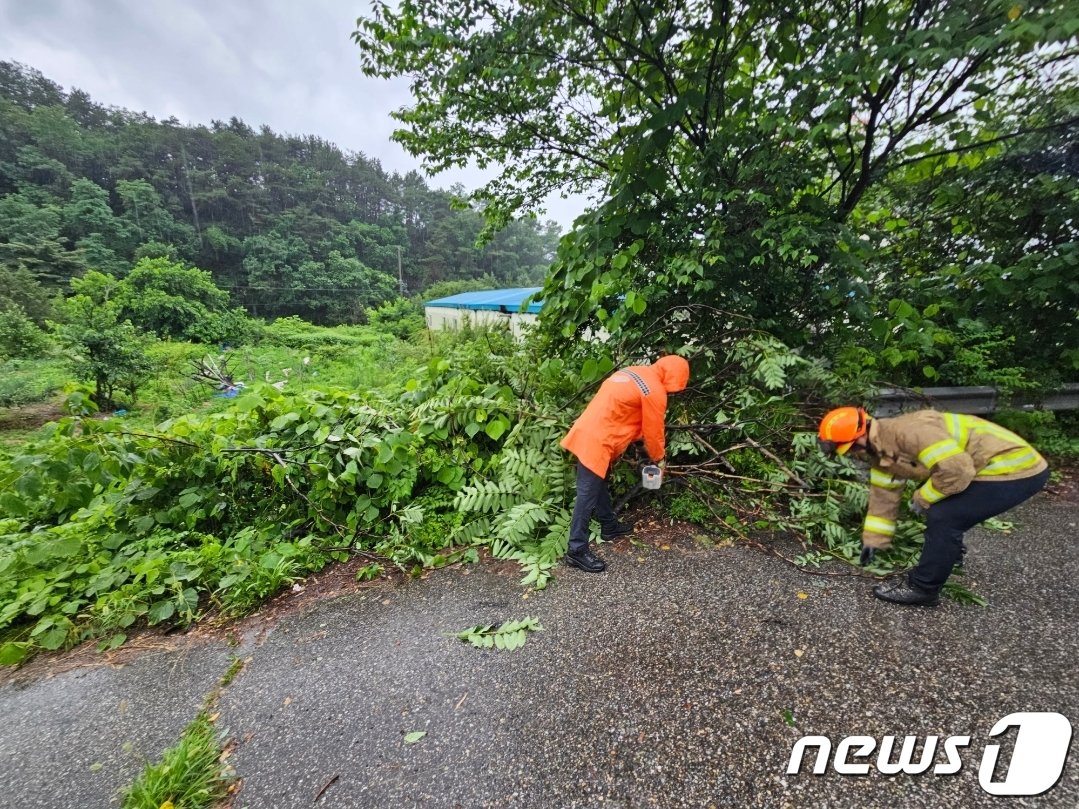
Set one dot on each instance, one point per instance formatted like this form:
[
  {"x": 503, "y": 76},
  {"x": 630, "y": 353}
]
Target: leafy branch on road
[{"x": 508, "y": 636}]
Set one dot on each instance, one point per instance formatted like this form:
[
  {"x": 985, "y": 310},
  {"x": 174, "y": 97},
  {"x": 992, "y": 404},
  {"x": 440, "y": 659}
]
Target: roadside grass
[{"x": 192, "y": 774}]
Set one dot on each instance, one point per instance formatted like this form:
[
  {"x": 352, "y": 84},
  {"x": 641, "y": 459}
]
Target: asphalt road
[{"x": 681, "y": 677}]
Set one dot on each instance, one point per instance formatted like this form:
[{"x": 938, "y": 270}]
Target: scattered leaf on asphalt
[
  {"x": 414, "y": 736},
  {"x": 97, "y": 765},
  {"x": 799, "y": 652},
  {"x": 803, "y": 596},
  {"x": 788, "y": 717}
]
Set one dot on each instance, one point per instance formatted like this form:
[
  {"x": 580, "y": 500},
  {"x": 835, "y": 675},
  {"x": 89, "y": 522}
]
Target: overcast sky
[{"x": 289, "y": 64}]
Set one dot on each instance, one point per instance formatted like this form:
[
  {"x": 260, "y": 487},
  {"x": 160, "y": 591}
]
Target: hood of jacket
[{"x": 673, "y": 373}]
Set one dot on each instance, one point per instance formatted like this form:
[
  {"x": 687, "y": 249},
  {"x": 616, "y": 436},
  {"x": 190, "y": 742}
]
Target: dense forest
[{"x": 287, "y": 225}]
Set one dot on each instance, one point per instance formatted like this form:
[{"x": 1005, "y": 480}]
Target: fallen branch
[{"x": 350, "y": 548}]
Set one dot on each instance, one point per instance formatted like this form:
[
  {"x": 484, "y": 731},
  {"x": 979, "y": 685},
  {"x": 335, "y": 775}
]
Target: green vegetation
[
  {"x": 188, "y": 776},
  {"x": 507, "y": 636},
  {"x": 808, "y": 206},
  {"x": 286, "y": 225},
  {"x": 191, "y": 774},
  {"x": 111, "y": 526},
  {"x": 888, "y": 184}
]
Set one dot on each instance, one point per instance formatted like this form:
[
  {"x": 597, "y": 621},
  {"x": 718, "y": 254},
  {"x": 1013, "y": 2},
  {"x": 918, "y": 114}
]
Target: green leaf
[
  {"x": 53, "y": 639},
  {"x": 116, "y": 640},
  {"x": 414, "y": 736},
  {"x": 507, "y": 636},
  {"x": 283, "y": 421},
  {"x": 55, "y": 548},
  {"x": 496, "y": 428},
  {"x": 160, "y": 611},
  {"x": 144, "y": 524},
  {"x": 12, "y": 505},
  {"x": 13, "y": 653}
]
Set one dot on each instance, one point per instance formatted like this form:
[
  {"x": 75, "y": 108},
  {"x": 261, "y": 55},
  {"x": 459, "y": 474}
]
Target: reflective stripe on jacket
[
  {"x": 945, "y": 450},
  {"x": 631, "y": 404}
]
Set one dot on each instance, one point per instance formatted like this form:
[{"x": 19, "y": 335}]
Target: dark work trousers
[
  {"x": 592, "y": 498},
  {"x": 948, "y": 520}
]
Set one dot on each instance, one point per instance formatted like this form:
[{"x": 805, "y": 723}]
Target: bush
[
  {"x": 401, "y": 318},
  {"x": 295, "y": 332},
  {"x": 20, "y": 338}
]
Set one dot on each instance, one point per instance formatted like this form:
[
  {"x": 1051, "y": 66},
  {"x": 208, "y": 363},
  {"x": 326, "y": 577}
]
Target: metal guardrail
[{"x": 891, "y": 401}]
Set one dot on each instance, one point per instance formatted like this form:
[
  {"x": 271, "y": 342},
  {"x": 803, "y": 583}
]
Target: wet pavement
[{"x": 681, "y": 677}]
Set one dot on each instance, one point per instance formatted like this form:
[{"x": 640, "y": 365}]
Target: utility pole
[{"x": 400, "y": 277}]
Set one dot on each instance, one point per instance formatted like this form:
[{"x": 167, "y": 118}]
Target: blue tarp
[{"x": 495, "y": 300}]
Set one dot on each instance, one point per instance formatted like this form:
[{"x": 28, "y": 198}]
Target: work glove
[
  {"x": 917, "y": 507},
  {"x": 867, "y": 555}
]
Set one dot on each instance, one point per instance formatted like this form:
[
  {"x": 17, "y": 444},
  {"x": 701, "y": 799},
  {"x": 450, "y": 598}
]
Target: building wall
[{"x": 440, "y": 318}]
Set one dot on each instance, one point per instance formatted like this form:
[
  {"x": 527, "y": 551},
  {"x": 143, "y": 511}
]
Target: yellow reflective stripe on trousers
[
  {"x": 940, "y": 451},
  {"x": 1015, "y": 461},
  {"x": 930, "y": 493},
  {"x": 884, "y": 480},
  {"x": 879, "y": 525}
]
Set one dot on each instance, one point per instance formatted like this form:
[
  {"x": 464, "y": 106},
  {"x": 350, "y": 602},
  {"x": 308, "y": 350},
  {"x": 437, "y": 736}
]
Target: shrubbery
[
  {"x": 108, "y": 529},
  {"x": 20, "y": 337}
]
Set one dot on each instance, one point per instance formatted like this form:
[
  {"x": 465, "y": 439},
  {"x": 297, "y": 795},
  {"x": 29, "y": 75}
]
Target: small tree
[{"x": 103, "y": 349}]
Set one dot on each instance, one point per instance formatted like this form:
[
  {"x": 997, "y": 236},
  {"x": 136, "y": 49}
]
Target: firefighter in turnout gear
[{"x": 968, "y": 470}]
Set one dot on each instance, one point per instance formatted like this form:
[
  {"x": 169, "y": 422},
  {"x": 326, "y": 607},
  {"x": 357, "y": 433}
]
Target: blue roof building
[
  {"x": 500, "y": 308},
  {"x": 506, "y": 301}
]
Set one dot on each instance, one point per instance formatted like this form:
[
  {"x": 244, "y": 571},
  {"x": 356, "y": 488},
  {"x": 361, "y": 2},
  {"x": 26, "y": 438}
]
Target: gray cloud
[{"x": 288, "y": 64}]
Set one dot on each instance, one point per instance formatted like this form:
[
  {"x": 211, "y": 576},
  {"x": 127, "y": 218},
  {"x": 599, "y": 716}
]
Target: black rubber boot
[{"x": 586, "y": 561}]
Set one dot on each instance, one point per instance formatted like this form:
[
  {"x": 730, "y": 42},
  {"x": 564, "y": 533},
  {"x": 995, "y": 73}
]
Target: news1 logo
[{"x": 1041, "y": 749}]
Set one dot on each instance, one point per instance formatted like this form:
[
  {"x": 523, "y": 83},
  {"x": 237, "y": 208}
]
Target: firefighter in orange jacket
[
  {"x": 630, "y": 405},
  {"x": 969, "y": 470}
]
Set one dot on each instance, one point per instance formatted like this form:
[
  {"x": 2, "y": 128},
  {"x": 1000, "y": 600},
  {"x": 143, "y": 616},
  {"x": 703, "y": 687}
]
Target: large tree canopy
[{"x": 746, "y": 156}]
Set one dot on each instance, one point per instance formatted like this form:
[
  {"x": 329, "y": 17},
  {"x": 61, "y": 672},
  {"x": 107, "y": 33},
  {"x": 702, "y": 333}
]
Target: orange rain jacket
[
  {"x": 945, "y": 452},
  {"x": 631, "y": 404}
]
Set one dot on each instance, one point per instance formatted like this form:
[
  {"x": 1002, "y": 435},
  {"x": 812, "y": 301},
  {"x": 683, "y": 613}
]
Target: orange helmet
[{"x": 840, "y": 428}]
